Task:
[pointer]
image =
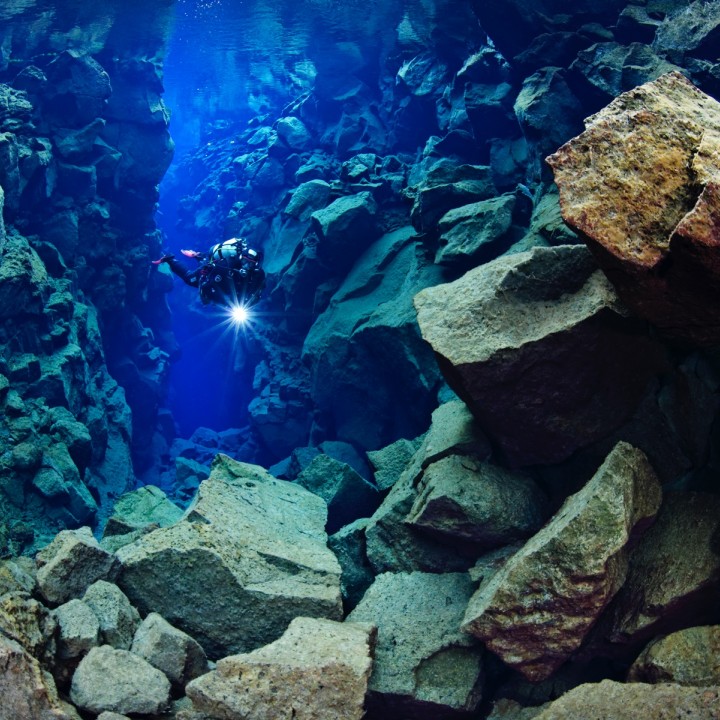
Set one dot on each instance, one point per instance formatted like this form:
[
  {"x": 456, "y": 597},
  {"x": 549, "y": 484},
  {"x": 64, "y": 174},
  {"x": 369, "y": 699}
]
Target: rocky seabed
[{"x": 479, "y": 475}]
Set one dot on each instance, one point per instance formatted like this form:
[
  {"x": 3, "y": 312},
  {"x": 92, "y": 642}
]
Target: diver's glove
[{"x": 163, "y": 259}]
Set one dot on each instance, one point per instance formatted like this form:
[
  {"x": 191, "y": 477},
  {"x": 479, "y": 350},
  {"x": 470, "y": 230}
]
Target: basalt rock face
[
  {"x": 540, "y": 348},
  {"x": 569, "y": 571},
  {"x": 247, "y": 557},
  {"x": 660, "y": 140},
  {"x": 83, "y": 144}
]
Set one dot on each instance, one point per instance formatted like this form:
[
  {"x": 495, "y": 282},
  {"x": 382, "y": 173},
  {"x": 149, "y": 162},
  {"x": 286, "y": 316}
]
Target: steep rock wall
[{"x": 84, "y": 346}]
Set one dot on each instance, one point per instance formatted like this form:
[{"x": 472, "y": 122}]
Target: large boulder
[
  {"x": 611, "y": 68},
  {"x": 660, "y": 140},
  {"x": 345, "y": 228},
  {"x": 673, "y": 579},
  {"x": 692, "y": 29},
  {"x": 425, "y": 667},
  {"x": 469, "y": 232},
  {"x": 393, "y": 545},
  {"x": 27, "y": 692},
  {"x": 28, "y": 622},
  {"x": 569, "y": 571},
  {"x": 548, "y": 111},
  {"x": 610, "y": 700},
  {"x": 318, "y": 670},
  {"x": 464, "y": 501},
  {"x": 118, "y": 618},
  {"x": 447, "y": 185},
  {"x": 79, "y": 629},
  {"x": 539, "y": 347},
  {"x": 170, "y": 650},
  {"x": 148, "y": 505},
  {"x": 686, "y": 657},
  {"x": 70, "y": 564},
  {"x": 390, "y": 461},
  {"x": 249, "y": 556},
  {"x": 118, "y": 681},
  {"x": 349, "y": 546}
]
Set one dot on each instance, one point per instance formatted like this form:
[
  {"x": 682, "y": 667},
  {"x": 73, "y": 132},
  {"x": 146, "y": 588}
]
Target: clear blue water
[
  {"x": 225, "y": 56},
  {"x": 228, "y": 61}
]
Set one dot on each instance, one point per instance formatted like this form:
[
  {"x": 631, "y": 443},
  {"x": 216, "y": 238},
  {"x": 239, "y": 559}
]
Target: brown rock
[
  {"x": 641, "y": 186},
  {"x": 537, "y": 609},
  {"x": 29, "y": 623},
  {"x": 686, "y": 657},
  {"x": 610, "y": 700},
  {"x": 26, "y": 692},
  {"x": 318, "y": 670}
]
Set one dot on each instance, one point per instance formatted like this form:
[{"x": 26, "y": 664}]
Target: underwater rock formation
[
  {"x": 425, "y": 667},
  {"x": 609, "y": 699},
  {"x": 170, "y": 650},
  {"x": 247, "y": 558},
  {"x": 673, "y": 578},
  {"x": 569, "y": 571},
  {"x": 367, "y": 170},
  {"x": 119, "y": 681},
  {"x": 393, "y": 545},
  {"x": 659, "y": 140},
  {"x": 686, "y": 657},
  {"x": 27, "y": 691},
  {"x": 541, "y": 349},
  {"x": 83, "y": 144},
  {"x": 317, "y": 670}
]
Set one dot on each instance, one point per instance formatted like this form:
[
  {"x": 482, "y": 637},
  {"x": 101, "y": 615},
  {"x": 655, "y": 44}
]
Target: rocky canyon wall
[{"x": 85, "y": 343}]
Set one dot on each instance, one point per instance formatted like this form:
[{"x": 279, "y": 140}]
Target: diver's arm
[{"x": 189, "y": 277}]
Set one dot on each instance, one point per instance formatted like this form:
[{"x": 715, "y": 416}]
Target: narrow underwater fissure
[{"x": 358, "y": 534}]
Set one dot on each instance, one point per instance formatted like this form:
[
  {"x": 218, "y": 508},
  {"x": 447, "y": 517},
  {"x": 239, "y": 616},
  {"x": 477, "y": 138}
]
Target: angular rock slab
[
  {"x": 118, "y": 618},
  {"x": 318, "y": 670},
  {"x": 537, "y": 609},
  {"x": 686, "y": 657},
  {"x": 424, "y": 665},
  {"x": 396, "y": 546},
  {"x": 348, "y": 495},
  {"x": 27, "y": 692},
  {"x": 539, "y": 347},
  {"x": 70, "y": 564},
  {"x": 79, "y": 629},
  {"x": 118, "y": 681},
  {"x": 610, "y": 700},
  {"x": 170, "y": 650},
  {"x": 659, "y": 141},
  {"x": 248, "y": 557},
  {"x": 462, "y": 500},
  {"x": 674, "y": 575}
]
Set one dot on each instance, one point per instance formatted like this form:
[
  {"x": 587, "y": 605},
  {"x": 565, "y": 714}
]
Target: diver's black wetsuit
[{"x": 224, "y": 280}]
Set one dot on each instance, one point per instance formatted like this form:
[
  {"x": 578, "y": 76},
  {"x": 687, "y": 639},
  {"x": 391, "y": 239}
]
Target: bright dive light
[{"x": 239, "y": 315}]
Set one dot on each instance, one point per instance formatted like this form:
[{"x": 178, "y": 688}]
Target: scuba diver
[{"x": 229, "y": 274}]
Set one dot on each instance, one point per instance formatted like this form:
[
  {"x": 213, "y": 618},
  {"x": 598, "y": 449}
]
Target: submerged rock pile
[
  {"x": 242, "y": 599},
  {"x": 545, "y": 545}
]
